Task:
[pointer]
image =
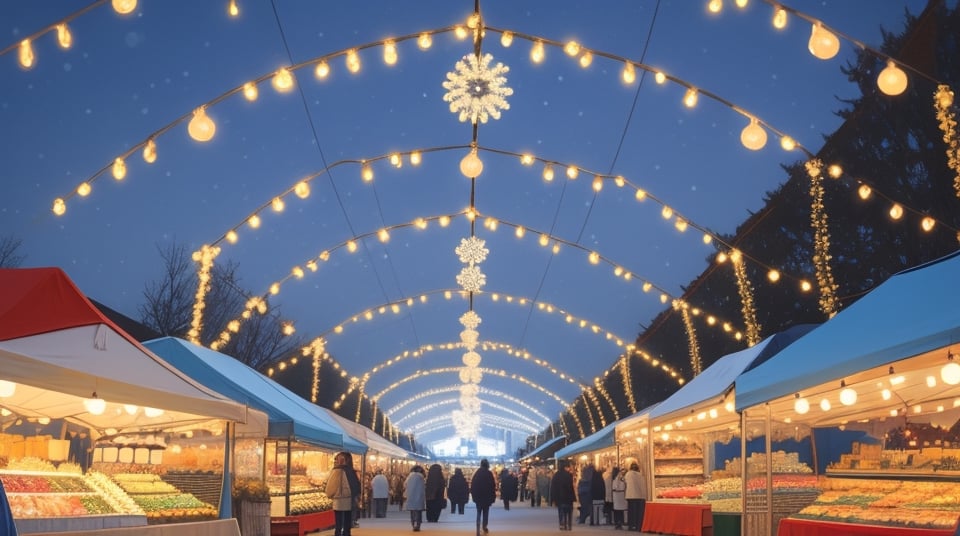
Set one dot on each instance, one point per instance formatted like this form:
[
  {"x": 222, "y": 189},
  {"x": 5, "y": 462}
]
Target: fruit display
[
  {"x": 915, "y": 504},
  {"x": 724, "y": 494},
  {"x": 113, "y": 494},
  {"x": 162, "y": 502}
]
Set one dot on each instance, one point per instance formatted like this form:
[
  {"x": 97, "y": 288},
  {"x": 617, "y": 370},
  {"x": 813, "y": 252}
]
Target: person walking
[
  {"x": 636, "y": 497},
  {"x": 618, "y": 494},
  {"x": 530, "y": 486},
  {"x": 562, "y": 494},
  {"x": 415, "y": 496},
  {"x": 436, "y": 485},
  {"x": 483, "y": 489},
  {"x": 343, "y": 488},
  {"x": 380, "y": 489},
  {"x": 585, "y": 494},
  {"x": 543, "y": 487},
  {"x": 508, "y": 488},
  {"x": 458, "y": 491}
]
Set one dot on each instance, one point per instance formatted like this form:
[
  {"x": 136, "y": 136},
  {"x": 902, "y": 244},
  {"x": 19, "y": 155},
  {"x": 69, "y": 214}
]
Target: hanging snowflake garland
[
  {"x": 476, "y": 91},
  {"x": 472, "y": 251},
  {"x": 470, "y": 320},
  {"x": 471, "y": 279}
]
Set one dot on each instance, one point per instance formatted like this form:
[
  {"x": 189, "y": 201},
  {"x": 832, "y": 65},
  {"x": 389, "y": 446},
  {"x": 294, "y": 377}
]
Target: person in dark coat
[
  {"x": 483, "y": 488},
  {"x": 562, "y": 494},
  {"x": 458, "y": 491},
  {"x": 509, "y": 485},
  {"x": 585, "y": 494},
  {"x": 598, "y": 491},
  {"x": 436, "y": 485}
]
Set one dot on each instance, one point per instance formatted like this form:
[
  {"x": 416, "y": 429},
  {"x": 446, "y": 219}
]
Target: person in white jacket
[
  {"x": 618, "y": 494},
  {"x": 380, "y": 488},
  {"x": 636, "y": 494}
]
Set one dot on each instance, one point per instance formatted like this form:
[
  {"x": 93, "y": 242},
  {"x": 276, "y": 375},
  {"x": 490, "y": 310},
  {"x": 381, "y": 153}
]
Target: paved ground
[{"x": 520, "y": 520}]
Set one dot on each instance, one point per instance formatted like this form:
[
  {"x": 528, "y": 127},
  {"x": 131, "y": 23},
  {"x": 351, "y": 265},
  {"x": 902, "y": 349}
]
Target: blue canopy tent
[
  {"x": 546, "y": 451},
  {"x": 289, "y": 416},
  {"x": 911, "y": 314},
  {"x": 603, "y": 438}
]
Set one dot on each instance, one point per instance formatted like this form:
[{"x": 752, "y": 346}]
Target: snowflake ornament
[
  {"x": 470, "y": 320},
  {"x": 471, "y": 279},
  {"x": 471, "y": 250},
  {"x": 475, "y": 91}
]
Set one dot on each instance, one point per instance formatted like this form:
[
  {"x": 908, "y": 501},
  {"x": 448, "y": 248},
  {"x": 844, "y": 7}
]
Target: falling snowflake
[
  {"x": 470, "y": 320},
  {"x": 471, "y": 250},
  {"x": 475, "y": 91},
  {"x": 471, "y": 279}
]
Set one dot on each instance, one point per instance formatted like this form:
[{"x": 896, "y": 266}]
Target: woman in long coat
[
  {"x": 436, "y": 485},
  {"x": 343, "y": 487},
  {"x": 458, "y": 492},
  {"x": 415, "y": 496}
]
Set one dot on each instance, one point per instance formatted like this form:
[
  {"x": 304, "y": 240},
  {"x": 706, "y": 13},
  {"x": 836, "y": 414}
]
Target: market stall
[
  {"x": 546, "y": 452},
  {"x": 70, "y": 378},
  {"x": 599, "y": 448},
  {"x": 877, "y": 386},
  {"x": 698, "y": 452},
  {"x": 295, "y": 456}
]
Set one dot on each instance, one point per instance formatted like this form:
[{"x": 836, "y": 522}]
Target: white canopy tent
[{"x": 60, "y": 357}]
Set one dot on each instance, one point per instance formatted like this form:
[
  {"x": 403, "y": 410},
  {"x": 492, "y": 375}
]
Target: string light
[
  {"x": 943, "y": 104},
  {"x": 64, "y": 37},
  {"x": 821, "y": 240},
  {"x": 201, "y": 127},
  {"x": 745, "y": 288},
  {"x": 693, "y": 346},
  {"x": 205, "y": 256},
  {"x": 26, "y": 56},
  {"x": 823, "y": 44}
]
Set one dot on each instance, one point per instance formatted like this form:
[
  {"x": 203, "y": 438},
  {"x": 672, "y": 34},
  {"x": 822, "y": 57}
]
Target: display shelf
[
  {"x": 679, "y": 458},
  {"x": 206, "y": 487},
  {"x": 911, "y": 474}
]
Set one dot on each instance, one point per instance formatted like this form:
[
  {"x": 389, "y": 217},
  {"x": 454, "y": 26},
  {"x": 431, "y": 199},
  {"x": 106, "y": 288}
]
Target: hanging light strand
[
  {"x": 821, "y": 240},
  {"x": 747, "y": 303},
  {"x": 947, "y": 118},
  {"x": 693, "y": 346}
]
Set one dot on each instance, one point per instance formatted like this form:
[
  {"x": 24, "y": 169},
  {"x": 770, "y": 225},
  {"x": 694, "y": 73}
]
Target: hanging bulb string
[
  {"x": 52, "y": 27},
  {"x": 856, "y": 42}
]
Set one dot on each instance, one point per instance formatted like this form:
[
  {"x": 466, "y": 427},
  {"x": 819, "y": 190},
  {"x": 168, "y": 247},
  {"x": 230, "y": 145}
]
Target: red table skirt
[
  {"x": 676, "y": 518},
  {"x": 806, "y": 527},
  {"x": 302, "y": 524}
]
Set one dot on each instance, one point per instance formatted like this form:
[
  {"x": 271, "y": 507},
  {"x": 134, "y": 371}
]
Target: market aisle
[{"x": 520, "y": 520}]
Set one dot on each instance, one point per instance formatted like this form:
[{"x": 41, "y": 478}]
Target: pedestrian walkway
[{"x": 520, "y": 520}]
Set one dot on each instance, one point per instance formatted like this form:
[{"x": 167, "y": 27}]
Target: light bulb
[
  {"x": 572, "y": 48},
  {"x": 302, "y": 189},
  {"x": 83, "y": 190},
  {"x": 201, "y": 127},
  {"x": 715, "y": 6},
  {"x": 896, "y": 211},
  {"x": 425, "y": 41},
  {"x": 548, "y": 173},
  {"x": 586, "y": 59},
  {"x": 864, "y": 192},
  {"x": 7, "y": 388},
  {"x": 506, "y": 39},
  {"x": 233, "y": 9},
  {"x": 753, "y": 136},
  {"x": 366, "y": 173},
  {"x": 779, "y": 18},
  {"x": 150, "y": 151},
  {"x": 950, "y": 373},
  {"x": 390, "y": 53},
  {"x": 471, "y": 166},
  {"x": 660, "y": 77},
  {"x": 26, "y": 57},
  {"x": 825, "y": 405},
  {"x": 537, "y": 53},
  {"x": 690, "y": 98},
  {"x": 95, "y": 406},
  {"x": 64, "y": 37},
  {"x": 59, "y": 206},
  {"x": 823, "y": 44},
  {"x": 597, "y": 183},
  {"x": 322, "y": 71},
  {"x": 353, "y": 61},
  {"x": 848, "y": 397},
  {"x": 119, "y": 169},
  {"x": 124, "y": 7},
  {"x": 629, "y": 73},
  {"x": 282, "y": 81},
  {"x": 927, "y": 223},
  {"x": 788, "y": 143},
  {"x": 892, "y": 80},
  {"x": 131, "y": 409},
  {"x": 152, "y": 412},
  {"x": 250, "y": 91}
]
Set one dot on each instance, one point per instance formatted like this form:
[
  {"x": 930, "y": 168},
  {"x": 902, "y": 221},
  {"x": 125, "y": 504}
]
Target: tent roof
[
  {"x": 605, "y": 437},
  {"x": 546, "y": 450},
  {"x": 913, "y": 312},
  {"x": 718, "y": 379},
  {"x": 368, "y": 437},
  {"x": 61, "y": 350},
  {"x": 289, "y": 414}
]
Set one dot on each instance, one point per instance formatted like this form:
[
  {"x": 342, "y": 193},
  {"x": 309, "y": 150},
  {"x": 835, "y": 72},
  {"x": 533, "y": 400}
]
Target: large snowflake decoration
[
  {"x": 476, "y": 91},
  {"x": 471, "y": 279},
  {"x": 471, "y": 250}
]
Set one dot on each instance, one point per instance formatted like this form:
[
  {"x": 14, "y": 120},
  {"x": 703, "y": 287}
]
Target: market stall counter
[
  {"x": 805, "y": 527},
  {"x": 674, "y": 518}
]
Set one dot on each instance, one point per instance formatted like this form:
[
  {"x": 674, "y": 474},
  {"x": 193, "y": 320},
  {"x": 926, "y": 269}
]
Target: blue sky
[{"x": 128, "y": 77}]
